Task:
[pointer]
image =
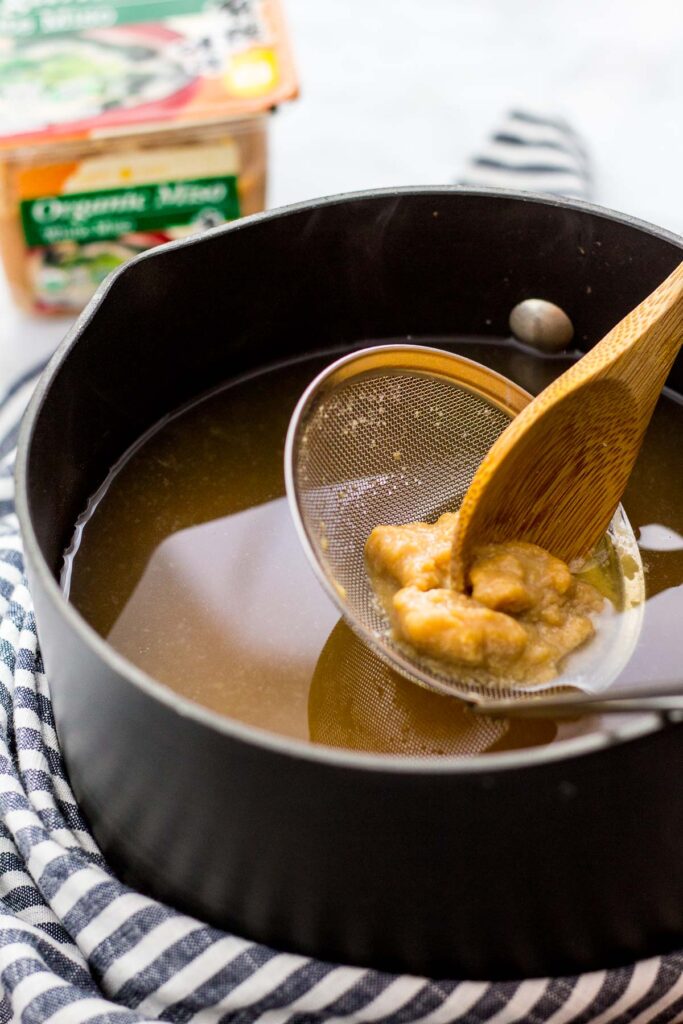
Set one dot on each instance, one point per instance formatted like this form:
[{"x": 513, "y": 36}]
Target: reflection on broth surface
[
  {"x": 187, "y": 562},
  {"x": 228, "y": 613},
  {"x": 359, "y": 703}
]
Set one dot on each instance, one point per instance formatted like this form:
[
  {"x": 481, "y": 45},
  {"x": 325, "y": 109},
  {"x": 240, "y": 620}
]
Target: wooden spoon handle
[
  {"x": 642, "y": 346},
  {"x": 555, "y": 476}
]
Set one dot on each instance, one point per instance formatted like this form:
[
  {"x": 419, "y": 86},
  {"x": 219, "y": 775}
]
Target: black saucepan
[{"x": 548, "y": 860}]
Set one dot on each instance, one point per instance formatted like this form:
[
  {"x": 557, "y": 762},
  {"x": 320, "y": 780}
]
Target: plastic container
[{"x": 118, "y": 137}]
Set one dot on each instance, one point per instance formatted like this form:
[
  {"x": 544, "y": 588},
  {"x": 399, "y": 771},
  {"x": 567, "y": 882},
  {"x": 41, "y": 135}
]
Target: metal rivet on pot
[{"x": 541, "y": 324}]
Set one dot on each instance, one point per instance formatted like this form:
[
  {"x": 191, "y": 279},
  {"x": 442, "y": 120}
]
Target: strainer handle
[{"x": 666, "y": 699}]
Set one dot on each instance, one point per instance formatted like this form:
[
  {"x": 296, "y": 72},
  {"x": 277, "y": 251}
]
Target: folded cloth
[
  {"x": 78, "y": 945},
  {"x": 535, "y": 153}
]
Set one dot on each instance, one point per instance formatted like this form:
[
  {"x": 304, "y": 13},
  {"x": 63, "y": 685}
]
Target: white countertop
[{"x": 396, "y": 92}]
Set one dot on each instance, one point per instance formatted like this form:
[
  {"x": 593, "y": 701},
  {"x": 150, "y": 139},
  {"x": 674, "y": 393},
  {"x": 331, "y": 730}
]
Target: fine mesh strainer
[{"x": 390, "y": 435}]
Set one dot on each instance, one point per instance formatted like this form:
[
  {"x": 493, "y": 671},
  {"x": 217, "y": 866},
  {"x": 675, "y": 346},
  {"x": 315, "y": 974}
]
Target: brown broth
[{"x": 187, "y": 562}]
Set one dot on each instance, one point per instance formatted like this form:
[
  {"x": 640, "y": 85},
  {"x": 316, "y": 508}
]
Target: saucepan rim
[{"x": 352, "y": 760}]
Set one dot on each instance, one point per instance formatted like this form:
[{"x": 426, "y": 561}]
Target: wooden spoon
[{"x": 555, "y": 476}]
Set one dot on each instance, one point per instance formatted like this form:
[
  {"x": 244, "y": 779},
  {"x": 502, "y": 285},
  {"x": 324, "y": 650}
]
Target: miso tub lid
[{"x": 79, "y": 69}]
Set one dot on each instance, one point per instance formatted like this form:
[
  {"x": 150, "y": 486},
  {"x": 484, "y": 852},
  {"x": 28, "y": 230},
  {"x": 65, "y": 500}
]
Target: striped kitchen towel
[
  {"x": 77, "y": 945},
  {"x": 535, "y": 153}
]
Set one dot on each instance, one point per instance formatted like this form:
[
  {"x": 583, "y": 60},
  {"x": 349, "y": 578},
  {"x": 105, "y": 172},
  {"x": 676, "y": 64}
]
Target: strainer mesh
[
  {"x": 357, "y": 702},
  {"x": 386, "y": 448}
]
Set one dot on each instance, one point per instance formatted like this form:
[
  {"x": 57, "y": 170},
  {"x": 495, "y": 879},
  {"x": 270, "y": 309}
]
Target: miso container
[{"x": 119, "y": 132}]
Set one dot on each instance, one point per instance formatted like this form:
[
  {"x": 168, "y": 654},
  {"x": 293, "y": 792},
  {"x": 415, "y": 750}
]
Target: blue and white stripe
[
  {"x": 534, "y": 153},
  {"x": 77, "y": 945}
]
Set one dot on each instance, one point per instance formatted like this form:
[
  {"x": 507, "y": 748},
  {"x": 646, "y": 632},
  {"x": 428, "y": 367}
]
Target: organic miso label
[{"x": 96, "y": 216}]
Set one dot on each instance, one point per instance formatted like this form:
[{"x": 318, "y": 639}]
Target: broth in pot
[{"x": 187, "y": 562}]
